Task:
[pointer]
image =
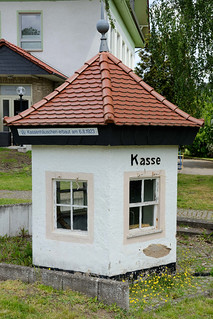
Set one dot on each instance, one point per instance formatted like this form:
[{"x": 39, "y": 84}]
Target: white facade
[
  {"x": 107, "y": 249},
  {"x": 68, "y": 32}
]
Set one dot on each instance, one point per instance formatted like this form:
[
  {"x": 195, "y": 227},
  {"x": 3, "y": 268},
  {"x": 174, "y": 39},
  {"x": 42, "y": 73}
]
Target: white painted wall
[
  {"x": 70, "y": 37},
  {"x": 107, "y": 255}
]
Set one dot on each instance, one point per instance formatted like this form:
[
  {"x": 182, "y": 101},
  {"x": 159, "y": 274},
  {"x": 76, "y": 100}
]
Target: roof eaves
[
  {"x": 31, "y": 58},
  {"x": 130, "y": 22},
  {"x": 9, "y": 120},
  {"x": 163, "y": 100},
  {"x": 21, "y": 115},
  {"x": 176, "y": 109},
  {"x": 158, "y": 96},
  {"x": 200, "y": 122}
]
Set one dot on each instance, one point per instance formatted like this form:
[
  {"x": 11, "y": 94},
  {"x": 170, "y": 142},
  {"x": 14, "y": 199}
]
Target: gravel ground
[
  {"x": 16, "y": 194},
  {"x": 195, "y": 253}
]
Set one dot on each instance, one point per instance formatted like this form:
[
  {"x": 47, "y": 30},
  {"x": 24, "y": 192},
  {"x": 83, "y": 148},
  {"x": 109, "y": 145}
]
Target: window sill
[
  {"x": 83, "y": 237},
  {"x": 144, "y": 233},
  {"x": 68, "y": 232},
  {"x": 33, "y": 50}
]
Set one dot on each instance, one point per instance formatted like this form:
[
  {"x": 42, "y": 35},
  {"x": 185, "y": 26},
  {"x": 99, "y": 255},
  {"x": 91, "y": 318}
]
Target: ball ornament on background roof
[{"x": 102, "y": 26}]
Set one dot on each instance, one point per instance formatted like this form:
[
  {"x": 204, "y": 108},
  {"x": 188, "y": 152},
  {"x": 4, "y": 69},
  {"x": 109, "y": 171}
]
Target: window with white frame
[
  {"x": 143, "y": 202},
  {"x": 71, "y": 205},
  {"x": 30, "y": 30},
  {"x": 118, "y": 52},
  {"x": 123, "y": 52},
  {"x": 144, "y": 205},
  {"x": 112, "y": 40}
]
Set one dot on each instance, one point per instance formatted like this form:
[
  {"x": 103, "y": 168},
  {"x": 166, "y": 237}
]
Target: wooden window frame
[
  {"x": 72, "y": 206},
  {"x": 52, "y": 232},
  {"x": 143, "y": 203},
  {"x": 158, "y": 229}
]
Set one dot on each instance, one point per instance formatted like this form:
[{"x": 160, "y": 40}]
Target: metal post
[{"x": 21, "y": 104}]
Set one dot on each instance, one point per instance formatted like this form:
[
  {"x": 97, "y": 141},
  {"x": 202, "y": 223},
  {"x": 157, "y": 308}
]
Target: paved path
[
  {"x": 16, "y": 194},
  {"x": 197, "y": 167},
  {"x": 195, "y": 214}
]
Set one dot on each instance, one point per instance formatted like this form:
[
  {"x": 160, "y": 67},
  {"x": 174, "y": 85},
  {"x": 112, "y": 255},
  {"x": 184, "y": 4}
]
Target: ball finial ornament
[{"x": 102, "y": 26}]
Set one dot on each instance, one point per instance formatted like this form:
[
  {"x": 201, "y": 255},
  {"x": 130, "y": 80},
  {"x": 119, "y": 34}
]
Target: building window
[
  {"x": 112, "y": 40},
  {"x": 144, "y": 205},
  {"x": 30, "y": 31},
  {"x": 123, "y": 52},
  {"x": 10, "y": 103},
  {"x": 131, "y": 61},
  {"x": 71, "y": 205},
  {"x": 127, "y": 57},
  {"x": 118, "y": 46},
  {"x": 143, "y": 201}
]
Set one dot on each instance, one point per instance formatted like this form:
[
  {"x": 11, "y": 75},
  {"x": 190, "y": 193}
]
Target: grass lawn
[
  {"x": 195, "y": 192},
  {"x": 21, "y": 181},
  {"x": 15, "y": 174},
  {"x": 15, "y": 170},
  {"x": 13, "y": 201},
  {"x": 19, "y": 300}
]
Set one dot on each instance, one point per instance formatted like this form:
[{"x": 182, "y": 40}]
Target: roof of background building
[
  {"x": 39, "y": 66},
  {"x": 104, "y": 91}
]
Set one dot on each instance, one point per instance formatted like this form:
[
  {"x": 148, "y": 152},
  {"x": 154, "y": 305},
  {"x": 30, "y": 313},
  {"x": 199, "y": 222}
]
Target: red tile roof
[
  {"x": 104, "y": 91},
  {"x": 31, "y": 58}
]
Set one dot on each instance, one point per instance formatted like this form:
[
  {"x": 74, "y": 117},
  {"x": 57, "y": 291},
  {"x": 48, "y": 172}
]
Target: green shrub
[{"x": 203, "y": 143}]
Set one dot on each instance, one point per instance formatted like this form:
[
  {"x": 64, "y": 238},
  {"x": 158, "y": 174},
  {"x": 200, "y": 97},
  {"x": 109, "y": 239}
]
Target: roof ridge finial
[{"x": 102, "y": 27}]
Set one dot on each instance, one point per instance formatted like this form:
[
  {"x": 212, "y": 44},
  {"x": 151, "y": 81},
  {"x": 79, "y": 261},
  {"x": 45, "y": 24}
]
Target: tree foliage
[
  {"x": 160, "y": 76},
  {"x": 177, "y": 60}
]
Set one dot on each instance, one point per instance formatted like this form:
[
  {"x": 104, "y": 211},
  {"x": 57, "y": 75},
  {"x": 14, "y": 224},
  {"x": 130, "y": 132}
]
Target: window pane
[
  {"x": 30, "y": 29},
  {"x": 148, "y": 216},
  {"x": 79, "y": 193},
  {"x": 79, "y": 218},
  {"x": 135, "y": 192},
  {"x": 63, "y": 192},
  {"x": 11, "y": 89},
  {"x": 134, "y": 217},
  {"x": 63, "y": 217},
  {"x": 31, "y": 25},
  {"x": 5, "y": 108},
  {"x": 30, "y": 45},
  {"x": 149, "y": 190}
]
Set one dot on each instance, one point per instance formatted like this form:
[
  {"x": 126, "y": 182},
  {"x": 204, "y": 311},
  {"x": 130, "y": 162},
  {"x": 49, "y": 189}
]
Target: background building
[{"x": 61, "y": 35}]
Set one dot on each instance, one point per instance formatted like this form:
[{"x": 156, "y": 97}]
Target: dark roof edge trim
[{"x": 116, "y": 136}]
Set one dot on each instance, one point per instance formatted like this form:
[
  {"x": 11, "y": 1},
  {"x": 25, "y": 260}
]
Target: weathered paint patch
[{"x": 156, "y": 250}]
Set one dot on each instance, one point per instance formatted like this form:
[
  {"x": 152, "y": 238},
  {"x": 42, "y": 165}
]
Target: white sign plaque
[{"x": 58, "y": 131}]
